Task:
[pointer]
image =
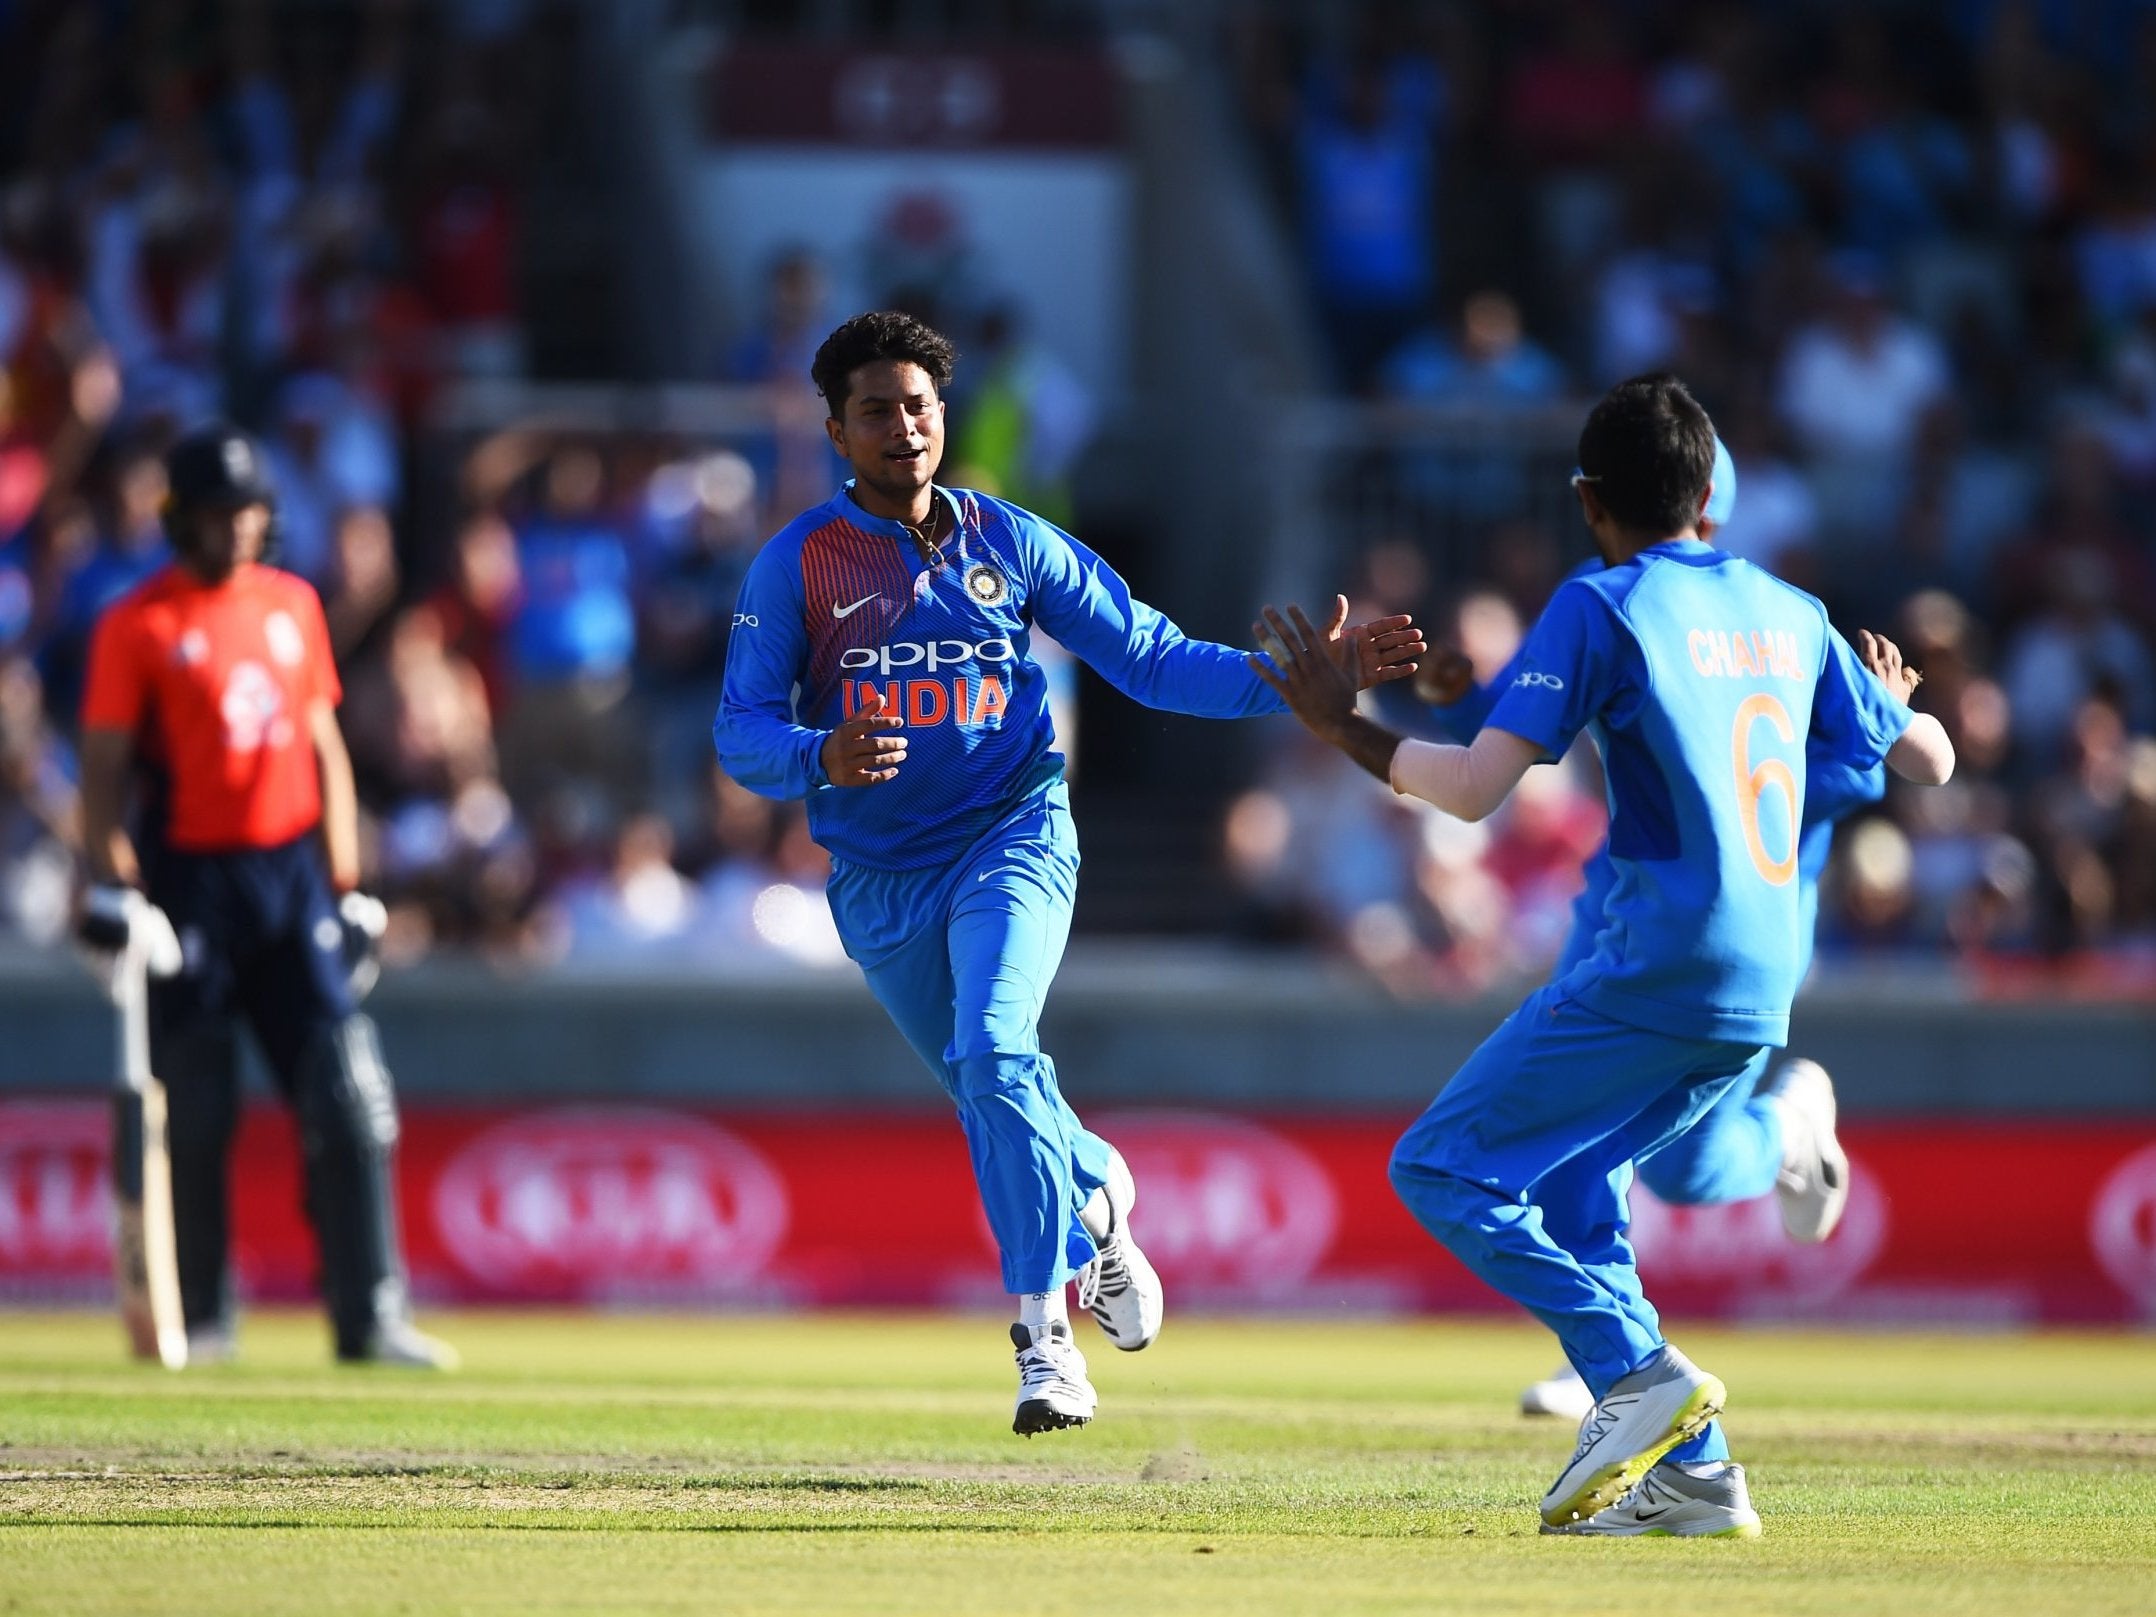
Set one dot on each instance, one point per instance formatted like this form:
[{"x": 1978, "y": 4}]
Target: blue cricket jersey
[
  {"x": 1833, "y": 790},
  {"x": 840, "y": 604},
  {"x": 1713, "y": 690}
]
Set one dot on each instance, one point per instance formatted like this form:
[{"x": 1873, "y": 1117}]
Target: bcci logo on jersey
[{"x": 985, "y": 585}]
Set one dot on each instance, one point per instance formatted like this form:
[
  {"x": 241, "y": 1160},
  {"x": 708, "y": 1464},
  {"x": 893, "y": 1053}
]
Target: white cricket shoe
[
  {"x": 1630, "y": 1427},
  {"x": 1562, "y": 1393},
  {"x": 400, "y": 1343},
  {"x": 1813, "y": 1186},
  {"x": 213, "y": 1343},
  {"x": 1052, "y": 1388},
  {"x": 1677, "y": 1501},
  {"x": 1119, "y": 1288}
]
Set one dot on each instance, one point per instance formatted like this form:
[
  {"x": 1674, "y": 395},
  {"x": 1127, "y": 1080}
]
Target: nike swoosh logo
[{"x": 838, "y": 611}]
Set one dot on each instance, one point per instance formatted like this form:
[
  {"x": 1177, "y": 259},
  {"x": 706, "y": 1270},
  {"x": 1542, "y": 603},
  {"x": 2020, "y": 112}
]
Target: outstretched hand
[
  {"x": 1317, "y": 686},
  {"x": 1445, "y": 675},
  {"x": 1383, "y": 649},
  {"x": 1883, "y": 658},
  {"x": 862, "y": 751}
]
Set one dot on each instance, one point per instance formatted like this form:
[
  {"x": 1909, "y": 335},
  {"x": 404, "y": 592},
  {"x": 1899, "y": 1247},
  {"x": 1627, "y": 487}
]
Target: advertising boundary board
[{"x": 628, "y": 1206}]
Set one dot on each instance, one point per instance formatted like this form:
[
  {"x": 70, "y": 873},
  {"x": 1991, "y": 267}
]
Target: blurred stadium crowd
[
  {"x": 309, "y": 219},
  {"x": 312, "y": 220},
  {"x": 1906, "y": 255}
]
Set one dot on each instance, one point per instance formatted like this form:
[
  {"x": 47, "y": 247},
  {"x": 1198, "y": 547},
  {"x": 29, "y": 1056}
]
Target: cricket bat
[{"x": 145, "y": 1257}]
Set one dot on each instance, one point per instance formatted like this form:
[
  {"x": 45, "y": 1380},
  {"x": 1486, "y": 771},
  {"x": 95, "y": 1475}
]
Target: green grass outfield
[{"x": 852, "y": 1465}]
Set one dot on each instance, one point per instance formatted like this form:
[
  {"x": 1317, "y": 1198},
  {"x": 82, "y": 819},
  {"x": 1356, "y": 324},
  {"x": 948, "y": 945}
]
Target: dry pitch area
[{"x": 866, "y": 1465}]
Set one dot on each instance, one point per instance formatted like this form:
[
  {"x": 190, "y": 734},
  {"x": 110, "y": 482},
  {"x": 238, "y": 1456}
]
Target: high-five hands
[
  {"x": 862, "y": 751},
  {"x": 1384, "y": 649},
  {"x": 1305, "y": 671},
  {"x": 1883, "y": 658}
]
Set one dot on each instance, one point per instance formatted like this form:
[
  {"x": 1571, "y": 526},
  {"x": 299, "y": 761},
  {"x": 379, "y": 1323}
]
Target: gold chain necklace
[{"x": 930, "y": 546}]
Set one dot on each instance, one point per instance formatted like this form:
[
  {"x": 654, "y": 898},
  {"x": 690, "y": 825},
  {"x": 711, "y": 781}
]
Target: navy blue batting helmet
[{"x": 217, "y": 468}]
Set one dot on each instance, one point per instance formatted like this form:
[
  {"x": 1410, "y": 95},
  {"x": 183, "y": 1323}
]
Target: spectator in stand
[
  {"x": 1858, "y": 382},
  {"x": 573, "y": 639},
  {"x": 466, "y": 235},
  {"x": 417, "y": 718},
  {"x": 791, "y": 323},
  {"x": 767, "y": 899},
  {"x": 640, "y": 908},
  {"x": 363, "y": 583},
  {"x": 795, "y": 464},
  {"x": 2082, "y": 510},
  {"x": 1023, "y": 420},
  {"x": 129, "y": 546},
  {"x": 1366, "y": 155},
  {"x": 1855, "y": 387},
  {"x": 333, "y": 452},
  {"x": 478, "y": 604},
  {"x": 40, "y": 812},
  {"x": 1776, "y": 520},
  {"x": 2078, "y": 648},
  {"x": 701, "y": 528},
  {"x": 1492, "y": 362},
  {"x": 1491, "y": 366}
]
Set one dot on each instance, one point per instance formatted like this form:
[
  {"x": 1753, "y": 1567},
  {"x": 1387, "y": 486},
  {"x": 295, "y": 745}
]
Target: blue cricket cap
[{"x": 1723, "y": 501}]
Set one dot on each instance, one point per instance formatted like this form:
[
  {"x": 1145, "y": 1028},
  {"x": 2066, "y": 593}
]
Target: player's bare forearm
[
  {"x": 340, "y": 799},
  {"x": 106, "y": 758},
  {"x": 1367, "y": 742}
]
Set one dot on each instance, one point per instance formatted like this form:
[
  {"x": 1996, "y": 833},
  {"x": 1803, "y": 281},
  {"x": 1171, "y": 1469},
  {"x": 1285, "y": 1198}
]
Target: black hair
[
  {"x": 867, "y": 339},
  {"x": 1648, "y": 449}
]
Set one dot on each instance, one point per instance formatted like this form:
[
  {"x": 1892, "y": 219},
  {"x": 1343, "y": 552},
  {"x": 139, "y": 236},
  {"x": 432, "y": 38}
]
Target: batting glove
[
  {"x": 364, "y": 920},
  {"x": 116, "y": 919}
]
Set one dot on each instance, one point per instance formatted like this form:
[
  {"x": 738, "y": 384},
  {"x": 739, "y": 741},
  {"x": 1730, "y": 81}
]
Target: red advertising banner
[{"x": 617, "y": 1206}]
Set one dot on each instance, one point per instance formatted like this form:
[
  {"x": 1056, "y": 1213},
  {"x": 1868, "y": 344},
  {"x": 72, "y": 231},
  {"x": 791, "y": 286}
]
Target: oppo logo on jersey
[{"x": 928, "y": 655}]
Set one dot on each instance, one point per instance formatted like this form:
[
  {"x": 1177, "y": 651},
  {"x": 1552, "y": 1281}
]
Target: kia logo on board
[
  {"x": 1225, "y": 1200},
  {"x": 55, "y": 1196},
  {"x": 600, "y": 1200},
  {"x": 2122, "y": 1226},
  {"x": 898, "y": 98},
  {"x": 1741, "y": 1245}
]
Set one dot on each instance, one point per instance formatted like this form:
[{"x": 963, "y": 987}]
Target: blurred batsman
[
  {"x": 210, "y": 707},
  {"x": 881, "y": 666}
]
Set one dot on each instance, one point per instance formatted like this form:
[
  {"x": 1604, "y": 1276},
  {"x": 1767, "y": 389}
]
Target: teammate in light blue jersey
[
  {"x": 881, "y": 667},
  {"x": 1702, "y": 679},
  {"x": 1778, "y": 1136}
]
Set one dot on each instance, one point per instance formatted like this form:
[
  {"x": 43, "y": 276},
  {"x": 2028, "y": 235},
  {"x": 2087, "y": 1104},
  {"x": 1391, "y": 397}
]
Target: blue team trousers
[
  {"x": 1731, "y": 1154},
  {"x": 961, "y": 957},
  {"x": 1521, "y": 1167}
]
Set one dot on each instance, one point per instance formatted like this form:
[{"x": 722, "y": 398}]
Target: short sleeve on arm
[
  {"x": 1572, "y": 669},
  {"x": 1855, "y": 718},
  {"x": 116, "y": 688}
]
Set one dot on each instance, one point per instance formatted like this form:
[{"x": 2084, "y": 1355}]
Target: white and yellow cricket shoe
[
  {"x": 1677, "y": 1500},
  {"x": 1664, "y": 1403}
]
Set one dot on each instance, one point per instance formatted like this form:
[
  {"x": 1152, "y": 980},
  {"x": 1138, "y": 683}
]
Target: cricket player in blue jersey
[
  {"x": 1703, "y": 680},
  {"x": 1779, "y": 1136},
  {"x": 880, "y": 668}
]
